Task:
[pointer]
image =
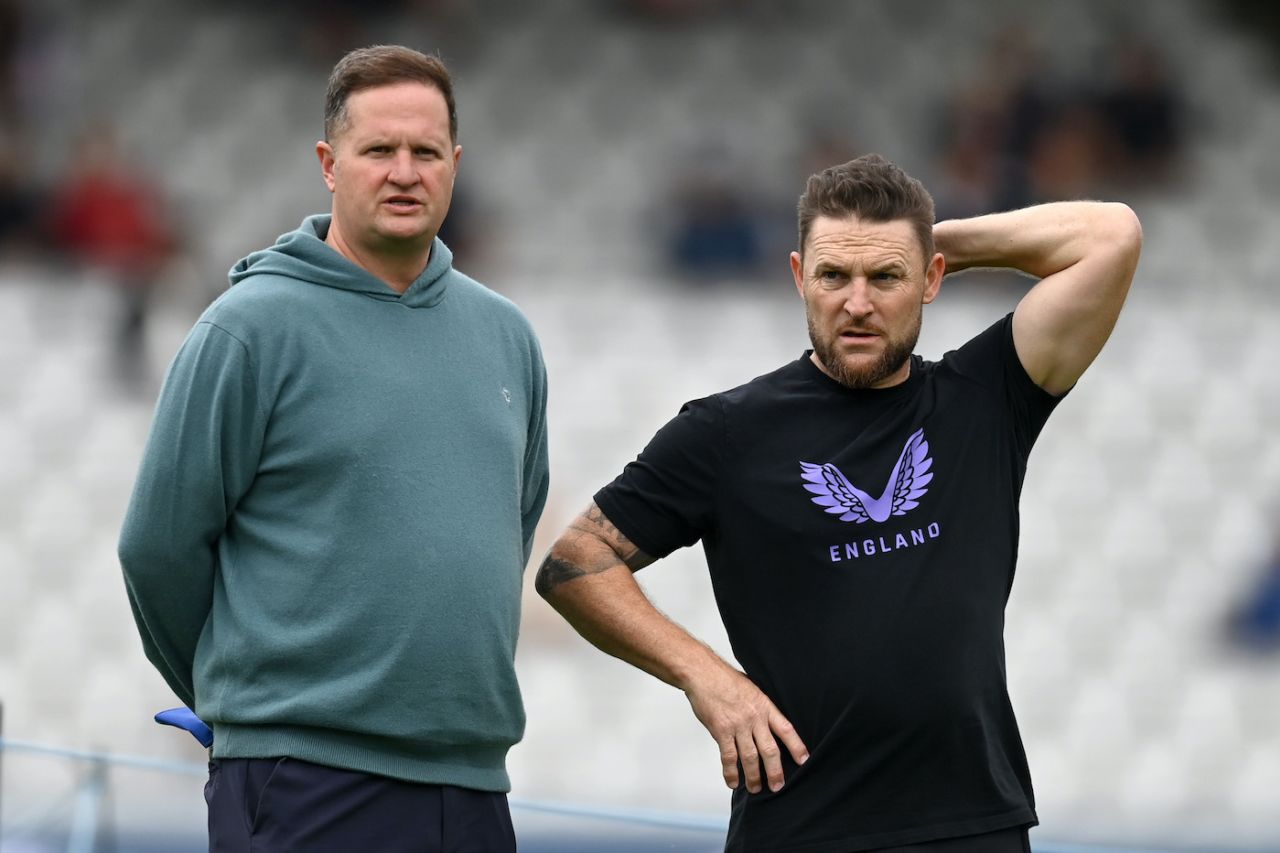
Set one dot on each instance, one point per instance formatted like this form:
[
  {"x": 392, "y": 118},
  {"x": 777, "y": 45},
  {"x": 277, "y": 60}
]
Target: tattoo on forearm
[
  {"x": 554, "y": 572},
  {"x": 593, "y": 522},
  {"x": 595, "y": 545}
]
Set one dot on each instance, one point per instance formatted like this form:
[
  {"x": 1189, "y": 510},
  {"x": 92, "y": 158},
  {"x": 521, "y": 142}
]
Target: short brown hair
[
  {"x": 871, "y": 188},
  {"x": 382, "y": 65}
]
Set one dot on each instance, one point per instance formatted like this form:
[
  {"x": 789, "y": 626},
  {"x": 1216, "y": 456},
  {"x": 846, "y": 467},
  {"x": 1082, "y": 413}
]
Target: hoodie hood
[{"x": 304, "y": 256}]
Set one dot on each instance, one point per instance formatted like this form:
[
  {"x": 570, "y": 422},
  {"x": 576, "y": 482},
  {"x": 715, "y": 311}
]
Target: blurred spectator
[
  {"x": 715, "y": 231},
  {"x": 970, "y": 179},
  {"x": 1253, "y": 624},
  {"x": 989, "y": 128},
  {"x": 113, "y": 221},
  {"x": 1021, "y": 133},
  {"x": 1065, "y": 157},
  {"x": 715, "y": 225},
  {"x": 1144, "y": 112},
  {"x": 19, "y": 199},
  {"x": 17, "y": 196}
]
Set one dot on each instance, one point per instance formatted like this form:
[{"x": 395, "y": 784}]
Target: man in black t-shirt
[{"x": 859, "y": 512}]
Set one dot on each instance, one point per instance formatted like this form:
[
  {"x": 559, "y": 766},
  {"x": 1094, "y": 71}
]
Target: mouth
[
  {"x": 858, "y": 336},
  {"x": 402, "y": 202}
]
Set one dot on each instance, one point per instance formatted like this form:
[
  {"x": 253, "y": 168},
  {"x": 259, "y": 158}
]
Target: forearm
[
  {"x": 170, "y": 613},
  {"x": 1039, "y": 241},
  {"x": 587, "y": 577},
  {"x": 596, "y": 593}
]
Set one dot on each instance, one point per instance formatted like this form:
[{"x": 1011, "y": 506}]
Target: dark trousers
[
  {"x": 284, "y": 805},
  {"x": 1013, "y": 840}
]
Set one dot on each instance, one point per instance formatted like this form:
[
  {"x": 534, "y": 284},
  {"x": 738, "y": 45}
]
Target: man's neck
[{"x": 397, "y": 271}]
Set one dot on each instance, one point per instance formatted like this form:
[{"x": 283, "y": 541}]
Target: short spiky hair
[
  {"x": 382, "y": 65},
  {"x": 871, "y": 188}
]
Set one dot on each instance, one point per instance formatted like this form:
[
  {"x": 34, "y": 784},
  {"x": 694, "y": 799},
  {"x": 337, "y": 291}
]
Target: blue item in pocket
[{"x": 185, "y": 718}]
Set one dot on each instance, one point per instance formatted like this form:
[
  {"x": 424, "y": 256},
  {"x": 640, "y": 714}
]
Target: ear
[
  {"x": 933, "y": 277},
  {"x": 457, "y": 155},
  {"x": 328, "y": 163},
  {"x": 797, "y": 272}
]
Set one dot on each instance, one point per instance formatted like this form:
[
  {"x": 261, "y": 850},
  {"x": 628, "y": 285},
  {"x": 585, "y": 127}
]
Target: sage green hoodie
[{"x": 326, "y": 542}]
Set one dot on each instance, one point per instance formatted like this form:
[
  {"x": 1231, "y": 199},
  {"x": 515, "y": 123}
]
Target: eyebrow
[
  {"x": 387, "y": 140},
  {"x": 888, "y": 265}
]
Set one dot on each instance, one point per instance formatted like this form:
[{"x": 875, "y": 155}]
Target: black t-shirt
[{"x": 861, "y": 547}]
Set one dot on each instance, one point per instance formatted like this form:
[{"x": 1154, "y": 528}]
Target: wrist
[
  {"x": 954, "y": 239},
  {"x": 695, "y": 669}
]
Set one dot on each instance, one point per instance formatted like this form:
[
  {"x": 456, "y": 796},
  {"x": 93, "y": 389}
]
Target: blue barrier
[
  {"x": 641, "y": 817},
  {"x": 136, "y": 762}
]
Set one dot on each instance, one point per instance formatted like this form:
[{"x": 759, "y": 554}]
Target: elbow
[
  {"x": 132, "y": 552},
  {"x": 562, "y": 565},
  {"x": 144, "y": 559},
  {"x": 550, "y": 575},
  {"x": 541, "y": 582},
  {"x": 1124, "y": 230}
]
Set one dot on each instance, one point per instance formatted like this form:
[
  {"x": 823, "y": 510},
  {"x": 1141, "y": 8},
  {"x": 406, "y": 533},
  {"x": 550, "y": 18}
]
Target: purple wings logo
[{"x": 908, "y": 483}]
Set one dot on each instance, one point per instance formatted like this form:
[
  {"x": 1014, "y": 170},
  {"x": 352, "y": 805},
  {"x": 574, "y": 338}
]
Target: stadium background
[{"x": 593, "y": 135}]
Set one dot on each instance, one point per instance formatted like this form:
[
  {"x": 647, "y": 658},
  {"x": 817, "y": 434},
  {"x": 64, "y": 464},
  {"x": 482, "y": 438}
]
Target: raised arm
[
  {"x": 587, "y": 577},
  {"x": 1085, "y": 255}
]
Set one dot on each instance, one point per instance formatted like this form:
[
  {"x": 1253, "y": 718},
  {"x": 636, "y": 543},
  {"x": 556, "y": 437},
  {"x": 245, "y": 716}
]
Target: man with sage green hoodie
[{"x": 325, "y": 547}]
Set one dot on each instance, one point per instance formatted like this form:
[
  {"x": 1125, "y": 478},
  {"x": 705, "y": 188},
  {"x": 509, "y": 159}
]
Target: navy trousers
[{"x": 284, "y": 805}]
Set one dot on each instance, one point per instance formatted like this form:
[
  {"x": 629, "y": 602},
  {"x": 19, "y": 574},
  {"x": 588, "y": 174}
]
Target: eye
[
  {"x": 426, "y": 153},
  {"x": 378, "y": 149}
]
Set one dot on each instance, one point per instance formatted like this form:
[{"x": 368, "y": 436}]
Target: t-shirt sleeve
[
  {"x": 664, "y": 499},
  {"x": 991, "y": 359}
]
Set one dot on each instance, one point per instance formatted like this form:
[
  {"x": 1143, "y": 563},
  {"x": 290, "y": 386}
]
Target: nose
[
  {"x": 857, "y": 303},
  {"x": 402, "y": 173}
]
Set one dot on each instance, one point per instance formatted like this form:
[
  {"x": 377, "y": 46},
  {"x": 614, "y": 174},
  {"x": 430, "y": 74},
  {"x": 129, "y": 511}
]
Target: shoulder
[
  {"x": 488, "y": 303},
  {"x": 495, "y": 317},
  {"x": 987, "y": 368},
  {"x": 780, "y": 385},
  {"x": 788, "y": 375},
  {"x": 982, "y": 358},
  {"x": 256, "y": 302},
  {"x": 761, "y": 400}
]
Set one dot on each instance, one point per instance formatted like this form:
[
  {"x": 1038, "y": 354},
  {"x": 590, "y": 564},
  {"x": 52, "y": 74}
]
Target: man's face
[
  {"x": 391, "y": 168},
  {"x": 864, "y": 286}
]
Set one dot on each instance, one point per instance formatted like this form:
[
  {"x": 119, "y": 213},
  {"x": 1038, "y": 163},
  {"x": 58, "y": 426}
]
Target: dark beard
[{"x": 890, "y": 361}]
